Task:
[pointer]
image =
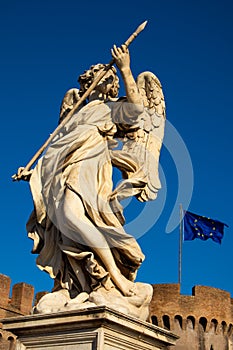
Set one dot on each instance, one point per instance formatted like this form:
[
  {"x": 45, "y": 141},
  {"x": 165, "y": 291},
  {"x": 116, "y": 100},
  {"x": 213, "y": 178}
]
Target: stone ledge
[{"x": 97, "y": 327}]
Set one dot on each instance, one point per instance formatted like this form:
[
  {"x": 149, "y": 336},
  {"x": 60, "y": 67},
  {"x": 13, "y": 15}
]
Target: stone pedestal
[{"x": 96, "y": 328}]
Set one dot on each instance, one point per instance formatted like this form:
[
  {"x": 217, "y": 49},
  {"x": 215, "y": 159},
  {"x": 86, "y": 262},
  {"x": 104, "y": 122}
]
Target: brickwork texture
[
  {"x": 19, "y": 304},
  {"x": 203, "y": 320}
]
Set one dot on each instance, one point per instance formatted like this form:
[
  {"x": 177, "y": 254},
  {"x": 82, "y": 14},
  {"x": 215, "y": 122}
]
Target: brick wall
[
  {"x": 7, "y": 340},
  {"x": 20, "y": 303},
  {"x": 203, "y": 320}
]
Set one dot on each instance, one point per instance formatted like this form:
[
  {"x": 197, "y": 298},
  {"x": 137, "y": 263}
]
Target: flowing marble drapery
[{"x": 80, "y": 159}]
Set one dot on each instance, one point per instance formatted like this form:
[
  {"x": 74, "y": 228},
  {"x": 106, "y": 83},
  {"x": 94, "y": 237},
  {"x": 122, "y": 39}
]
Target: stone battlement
[
  {"x": 205, "y": 302},
  {"x": 202, "y": 320},
  {"x": 19, "y": 303}
]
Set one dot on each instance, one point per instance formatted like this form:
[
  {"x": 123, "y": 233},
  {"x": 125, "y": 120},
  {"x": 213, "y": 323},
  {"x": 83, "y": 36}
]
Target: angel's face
[{"x": 106, "y": 83}]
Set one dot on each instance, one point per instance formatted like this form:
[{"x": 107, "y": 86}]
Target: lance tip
[{"x": 142, "y": 26}]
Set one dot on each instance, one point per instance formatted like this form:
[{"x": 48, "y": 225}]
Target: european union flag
[{"x": 196, "y": 226}]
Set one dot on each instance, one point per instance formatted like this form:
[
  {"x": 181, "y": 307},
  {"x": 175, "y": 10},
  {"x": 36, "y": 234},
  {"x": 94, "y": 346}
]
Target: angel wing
[
  {"x": 145, "y": 143},
  {"x": 70, "y": 99}
]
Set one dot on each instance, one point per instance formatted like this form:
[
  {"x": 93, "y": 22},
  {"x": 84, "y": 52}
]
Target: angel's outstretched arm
[{"x": 122, "y": 59}]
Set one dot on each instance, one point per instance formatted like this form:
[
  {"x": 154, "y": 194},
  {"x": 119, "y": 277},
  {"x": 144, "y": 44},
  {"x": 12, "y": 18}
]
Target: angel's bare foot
[{"x": 127, "y": 287}]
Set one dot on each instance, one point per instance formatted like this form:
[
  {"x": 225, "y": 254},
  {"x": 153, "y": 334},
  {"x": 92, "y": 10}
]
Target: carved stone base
[
  {"x": 136, "y": 305},
  {"x": 97, "y": 328}
]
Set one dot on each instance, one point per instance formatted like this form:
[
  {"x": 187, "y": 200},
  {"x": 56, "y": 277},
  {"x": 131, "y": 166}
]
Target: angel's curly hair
[{"x": 86, "y": 79}]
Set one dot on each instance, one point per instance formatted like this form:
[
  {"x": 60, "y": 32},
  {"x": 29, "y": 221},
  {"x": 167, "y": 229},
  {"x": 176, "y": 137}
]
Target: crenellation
[
  {"x": 21, "y": 301},
  {"x": 22, "y": 297},
  {"x": 202, "y": 320},
  {"x": 5, "y": 283}
]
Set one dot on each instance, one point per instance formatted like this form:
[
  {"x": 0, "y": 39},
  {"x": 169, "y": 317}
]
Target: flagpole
[{"x": 180, "y": 244}]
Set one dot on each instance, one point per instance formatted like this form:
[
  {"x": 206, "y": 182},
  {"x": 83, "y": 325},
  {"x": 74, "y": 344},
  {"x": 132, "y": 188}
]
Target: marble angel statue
[{"x": 77, "y": 221}]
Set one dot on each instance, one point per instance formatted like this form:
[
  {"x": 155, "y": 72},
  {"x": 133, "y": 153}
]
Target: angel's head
[{"x": 108, "y": 85}]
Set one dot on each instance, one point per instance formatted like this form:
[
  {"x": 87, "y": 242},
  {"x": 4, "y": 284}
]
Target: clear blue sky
[{"x": 46, "y": 44}]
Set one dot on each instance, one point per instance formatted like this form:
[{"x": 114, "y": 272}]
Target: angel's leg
[{"x": 75, "y": 217}]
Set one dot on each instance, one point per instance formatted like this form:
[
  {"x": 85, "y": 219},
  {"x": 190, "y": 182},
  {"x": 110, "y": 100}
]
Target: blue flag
[{"x": 197, "y": 226}]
